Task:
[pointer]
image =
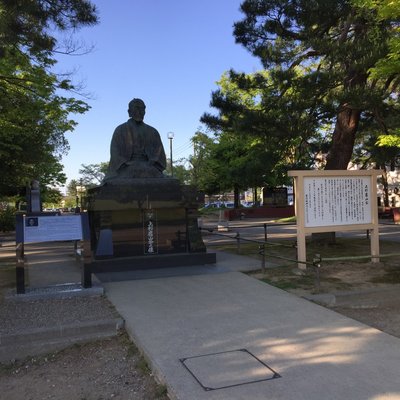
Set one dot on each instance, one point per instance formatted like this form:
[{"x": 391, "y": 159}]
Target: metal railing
[
  {"x": 262, "y": 245},
  {"x": 317, "y": 261}
]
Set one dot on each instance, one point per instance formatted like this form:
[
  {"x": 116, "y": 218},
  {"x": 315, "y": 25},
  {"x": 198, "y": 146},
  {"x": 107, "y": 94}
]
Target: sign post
[
  {"x": 335, "y": 200},
  {"x": 50, "y": 228}
]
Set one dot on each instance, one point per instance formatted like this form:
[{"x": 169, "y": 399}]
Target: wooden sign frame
[{"x": 358, "y": 187}]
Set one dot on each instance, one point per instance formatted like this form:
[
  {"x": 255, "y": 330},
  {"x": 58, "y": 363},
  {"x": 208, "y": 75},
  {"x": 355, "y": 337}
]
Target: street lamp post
[
  {"x": 170, "y": 137},
  {"x": 81, "y": 194}
]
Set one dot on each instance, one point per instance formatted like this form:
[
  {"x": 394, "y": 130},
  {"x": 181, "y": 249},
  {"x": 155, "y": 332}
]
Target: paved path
[{"x": 228, "y": 336}]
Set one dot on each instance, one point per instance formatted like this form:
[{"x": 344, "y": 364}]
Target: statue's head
[
  {"x": 137, "y": 109},
  {"x": 35, "y": 184}
]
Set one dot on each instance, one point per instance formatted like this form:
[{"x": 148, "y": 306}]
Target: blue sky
[{"x": 170, "y": 53}]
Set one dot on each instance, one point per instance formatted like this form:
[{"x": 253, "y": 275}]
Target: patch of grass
[
  {"x": 286, "y": 220},
  {"x": 349, "y": 247},
  {"x": 246, "y": 249},
  {"x": 286, "y": 278},
  {"x": 390, "y": 276},
  {"x": 161, "y": 391},
  {"x": 290, "y": 278},
  {"x": 343, "y": 247},
  {"x": 7, "y": 277},
  {"x": 337, "y": 283},
  {"x": 131, "y": 349},
  {"x": 210, "y": 212},
  {"x": 285, "y": 284},
  {"x": 6, "y": 368},
  {"x": 143, "y": 366},
  {"x": 331, "y": 276}
]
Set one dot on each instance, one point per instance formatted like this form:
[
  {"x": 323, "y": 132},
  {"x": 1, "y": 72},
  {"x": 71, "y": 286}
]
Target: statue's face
[{"x": 137, "y": 111}]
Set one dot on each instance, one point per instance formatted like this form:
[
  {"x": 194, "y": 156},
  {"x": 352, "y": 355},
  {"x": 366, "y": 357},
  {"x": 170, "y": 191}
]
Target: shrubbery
[{"x": 7, "y": 218}]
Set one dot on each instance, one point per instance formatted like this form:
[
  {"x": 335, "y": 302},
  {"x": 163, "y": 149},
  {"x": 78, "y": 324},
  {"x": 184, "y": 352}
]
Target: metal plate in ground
[{"x": 228, "y": 369}]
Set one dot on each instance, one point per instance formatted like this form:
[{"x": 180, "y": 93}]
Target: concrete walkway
[{"x": 227, "y": 336}]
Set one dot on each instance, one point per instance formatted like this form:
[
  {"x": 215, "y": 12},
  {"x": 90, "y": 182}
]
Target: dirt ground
[
  {"x": 106, "y": 369},
  {"x": 367, "y": 292},
  {"x": 373, "y": 295}
]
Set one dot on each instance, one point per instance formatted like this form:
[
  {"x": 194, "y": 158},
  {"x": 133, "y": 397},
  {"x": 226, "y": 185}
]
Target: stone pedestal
[{"x": 149, "y": 218}]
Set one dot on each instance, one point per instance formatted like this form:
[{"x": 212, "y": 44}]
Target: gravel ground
[
  {"x": 109, "y": 368},
  {"x": 22, "y": 316},
  {"x": 384, "y": 318},
  {"x": 106, "y": 369}
]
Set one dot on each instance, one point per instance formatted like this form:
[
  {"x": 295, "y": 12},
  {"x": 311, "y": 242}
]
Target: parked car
[{"x": 212, "y": 205}]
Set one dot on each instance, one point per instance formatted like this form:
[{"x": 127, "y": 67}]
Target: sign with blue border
[{"x": 42, "y": 228}]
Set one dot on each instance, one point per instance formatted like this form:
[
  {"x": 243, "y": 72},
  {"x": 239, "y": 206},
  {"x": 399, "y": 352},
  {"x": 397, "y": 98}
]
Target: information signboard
[
  {"x": 39, "y": 228},
  {"x": 52, "y": 228},
  {"x": 337, "y": 200}
]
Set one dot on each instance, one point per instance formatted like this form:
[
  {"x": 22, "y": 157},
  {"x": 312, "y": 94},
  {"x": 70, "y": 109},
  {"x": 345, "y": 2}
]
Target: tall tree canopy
[
  {"x": 34, "y": 115},
  {"x": 325, "y": 59},
  {"x": 257, "y": 143}
]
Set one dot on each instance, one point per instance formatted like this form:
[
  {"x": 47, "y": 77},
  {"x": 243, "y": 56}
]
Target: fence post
[
  {"x": 317, "y": 266},
  {"x": 265, "y": 232},
  {"x": 86, "y": 272},
  {"x": 20, "y": 269},
  {"x": 237, "y": 237},
  {"x": 262, "y": 252}
]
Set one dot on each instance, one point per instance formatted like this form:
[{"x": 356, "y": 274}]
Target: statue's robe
[{"x": 136, "y": 152}]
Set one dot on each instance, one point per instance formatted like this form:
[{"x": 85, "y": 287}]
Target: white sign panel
[
  {"x": 334, "y": 200},
  {"x": 52, "y": 228},
  {"x": 150, "y": 232}
]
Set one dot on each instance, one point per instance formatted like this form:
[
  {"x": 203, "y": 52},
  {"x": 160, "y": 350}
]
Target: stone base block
[{"x": 155, "y": 261}]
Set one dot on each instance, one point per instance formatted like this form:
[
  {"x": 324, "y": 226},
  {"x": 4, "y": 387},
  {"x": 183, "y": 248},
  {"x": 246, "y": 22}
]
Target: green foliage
[
  {"x": 161, "y": 392},
  {"x": 202, "y": 175},
  {"x": 181, "y": 173},
  {"x": 385, "y": 10},
  {"x": 143, "y": 366},
  {"x": 72, "y": 187},
  {"x": 388, "y": 141},
  {"x": 7, "y": 218},
  {"x": 51, "y": 195},
  {"x": 93, "y": 174},
  {"x": 319, "y": 59},
  {"x": 255, "y": 146},
  {"x": 30, "y": 23},
  {"x": 35, "y": 114}
]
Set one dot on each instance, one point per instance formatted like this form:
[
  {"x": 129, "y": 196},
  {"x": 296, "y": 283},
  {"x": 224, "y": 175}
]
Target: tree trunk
[
  {"x": 343, "y": 138},
  {"x": 340, "y": 153},
  {"x": 255, "y": 194},
  {"x": 385, "y": 187},
  {"x": 236, "y": 197}
]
